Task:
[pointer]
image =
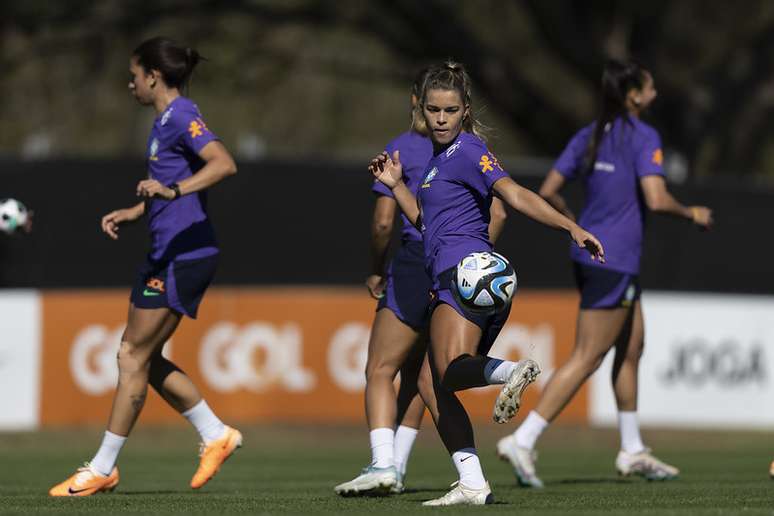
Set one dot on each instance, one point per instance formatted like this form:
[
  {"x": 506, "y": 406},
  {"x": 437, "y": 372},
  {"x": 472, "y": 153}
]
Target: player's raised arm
[
  {"x": 535, "y": 207},
  {"x": 389, "y": 171}
]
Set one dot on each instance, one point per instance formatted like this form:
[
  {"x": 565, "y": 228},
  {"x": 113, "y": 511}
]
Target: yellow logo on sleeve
[
  {"x": 658, "y": 157},
  {"x": 486, "y": 164},
  {"x": 195, "y": 128}
]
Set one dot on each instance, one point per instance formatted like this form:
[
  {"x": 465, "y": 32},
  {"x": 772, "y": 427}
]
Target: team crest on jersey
[
  {"x": 453, "y": 148},
  {"x": 429, "y": 177},
  {"x": 488, "y": 163},
  {"x": 154, "y": 149},
  {"x": 165, "y": 117}
]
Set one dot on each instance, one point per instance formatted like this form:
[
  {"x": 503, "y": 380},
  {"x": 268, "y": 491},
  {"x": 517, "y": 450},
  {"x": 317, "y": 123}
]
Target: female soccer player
[
  {"x": 398, "y": 335},
  {"x": 184, "y": 159},
  {"x": 618, "y": 158},
  {"x": 452, "y": 209}
]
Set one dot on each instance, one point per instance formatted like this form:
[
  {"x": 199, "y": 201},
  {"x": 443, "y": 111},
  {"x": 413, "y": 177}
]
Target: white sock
[
  {"x": 107, "y": 455},
  {"x": 382, "y": 444},
  {"x": 527, "y": 434},
  {"x": 631, "y": 442},
  {"x": 498, "y": 371},
  {"x": 468, "y": 466},
  {"x": 205, "y": 421},
  {"x": 404, "y": 440}
]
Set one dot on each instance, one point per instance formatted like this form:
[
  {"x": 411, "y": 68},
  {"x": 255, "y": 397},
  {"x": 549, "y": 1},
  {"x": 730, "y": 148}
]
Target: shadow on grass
[
  {"x": 151, "y": 492},
  {"x": 607, "y": 480}
]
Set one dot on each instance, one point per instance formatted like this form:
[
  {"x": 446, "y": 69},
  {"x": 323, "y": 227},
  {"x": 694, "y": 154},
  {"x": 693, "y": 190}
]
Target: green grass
[{"x": 291, "y": 470}]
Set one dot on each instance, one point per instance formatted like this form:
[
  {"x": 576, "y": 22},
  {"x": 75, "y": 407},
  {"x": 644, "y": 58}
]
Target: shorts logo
[
  {"x": 658, "y": 157},
  {"x": 629, "y": 296},
  {"x": 155, "y": 287},
  {"x": 429, "y": 177}
]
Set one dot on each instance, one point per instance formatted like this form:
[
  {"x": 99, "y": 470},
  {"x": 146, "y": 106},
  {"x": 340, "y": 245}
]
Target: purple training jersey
[
  {"x": 614, "y": 210},
  {"x": 415, "y": 151},
  {"x": 180, "y": 229},
  {"x": 454, "y": 198}
]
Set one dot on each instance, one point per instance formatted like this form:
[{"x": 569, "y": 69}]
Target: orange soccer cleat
[
  {"x": 214, "y": 454},
  {"x": 86, "y": 482}
]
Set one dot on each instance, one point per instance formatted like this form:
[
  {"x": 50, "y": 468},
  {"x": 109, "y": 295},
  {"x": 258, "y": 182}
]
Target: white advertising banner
[
  {"x": 19, "y": 359},
  {"x": 708, "y": 362}
]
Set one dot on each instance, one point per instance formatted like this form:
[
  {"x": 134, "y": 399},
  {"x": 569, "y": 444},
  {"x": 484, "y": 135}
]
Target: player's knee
[
  {"x": 131, "y": 358},
  {"x": 637, "y": 349},
  {"x": 378, "y": 368},
  {"x": 588, "y": 360}
]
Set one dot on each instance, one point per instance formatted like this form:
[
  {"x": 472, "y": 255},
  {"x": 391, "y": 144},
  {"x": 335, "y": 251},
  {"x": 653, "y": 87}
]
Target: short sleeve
[
  {"x": 490, "y": 168},
  {"x": 484, "y": 167},
  {"x": 570, "y": 160},
  {"x": 649, "y": 159},
  {"x": 380, "y": 188},
  {"x": 195, "y": 133}
]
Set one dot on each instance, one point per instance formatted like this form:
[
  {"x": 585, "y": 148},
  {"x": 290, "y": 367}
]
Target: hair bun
[{"x": 453, "y": 66}]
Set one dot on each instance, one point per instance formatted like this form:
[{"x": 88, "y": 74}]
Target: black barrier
[{"x": 308, "y": 223}]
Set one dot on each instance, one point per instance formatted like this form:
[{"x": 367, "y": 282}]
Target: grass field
[{"x": 291, "y": 470}]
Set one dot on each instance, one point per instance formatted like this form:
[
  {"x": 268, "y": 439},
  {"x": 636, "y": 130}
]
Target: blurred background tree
[{"x": 302, "y": 79}]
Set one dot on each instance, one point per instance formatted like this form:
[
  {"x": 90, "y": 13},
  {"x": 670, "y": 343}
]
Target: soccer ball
[
  {"x": 484, "y": 282},
  {"x": 13, "y": 215}
]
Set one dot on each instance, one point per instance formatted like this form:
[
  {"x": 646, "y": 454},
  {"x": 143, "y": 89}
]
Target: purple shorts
[
  {"x": 179, "y": 285},
  {"x": 407, "y": 291},
  {"x": 490, "y": 325},
  {"x": 602, "y": 288}
]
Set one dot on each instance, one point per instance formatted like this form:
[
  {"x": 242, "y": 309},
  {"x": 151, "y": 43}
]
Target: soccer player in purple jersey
[
  {"x": 452, "y": 210},
  {"x": 619, "y": 160},
  {"x": 399, "y": 334},
  {"x": 184, "y": 159}
]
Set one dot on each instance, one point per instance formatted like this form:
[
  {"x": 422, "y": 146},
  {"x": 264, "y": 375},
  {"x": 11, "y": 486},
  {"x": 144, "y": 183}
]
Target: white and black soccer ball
[
  {"x": 13, "y": 215},
  {"x": 484, "y": 282}
]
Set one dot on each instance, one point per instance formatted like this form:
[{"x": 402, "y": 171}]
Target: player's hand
[
  {"x": 702, "y": 217},
  {"x": 152, "y": 188},
  {"x": 387, "y": 169},
  {"x": 589, "y": 242},
  {"x": 375, "y": 285},
  {"x": 112, "y": 221}
]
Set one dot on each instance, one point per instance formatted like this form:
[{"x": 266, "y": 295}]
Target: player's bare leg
[
  {"x": 390, "y": 345},
  {"x": 634, "y": 458},
  {"x": 597, "y": 332},
  {"x": 147, "y": 330}
]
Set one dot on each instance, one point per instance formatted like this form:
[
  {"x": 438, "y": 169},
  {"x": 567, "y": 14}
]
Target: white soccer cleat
[
  {"x": 371, "y": 481},
  {"x": 509, "y": 400},
  {"x": 522, "y": 461},
  {"x": 645, "y": 465},
  {"x": 398, "y": 488},
  {"x": 461, "y": 495}
]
